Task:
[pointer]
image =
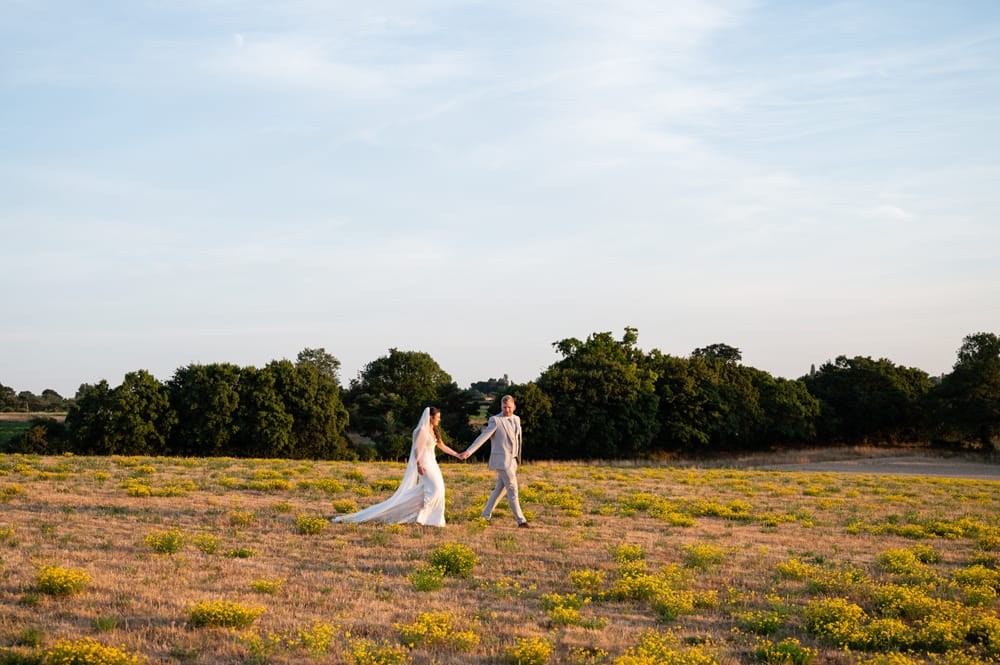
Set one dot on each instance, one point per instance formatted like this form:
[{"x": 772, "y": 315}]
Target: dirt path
[{"x": 912, "y": 465}]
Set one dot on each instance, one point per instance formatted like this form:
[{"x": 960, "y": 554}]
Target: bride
[{"x": 420, "y": 496}]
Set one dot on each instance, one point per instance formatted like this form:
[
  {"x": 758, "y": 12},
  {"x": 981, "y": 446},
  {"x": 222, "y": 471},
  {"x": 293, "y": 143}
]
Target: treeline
[
  {"x": 27, "y": 402},
  {"x": 605, "y": 398}
]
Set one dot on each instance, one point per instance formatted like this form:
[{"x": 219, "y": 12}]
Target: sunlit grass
[{"x": 625, "y": 564}]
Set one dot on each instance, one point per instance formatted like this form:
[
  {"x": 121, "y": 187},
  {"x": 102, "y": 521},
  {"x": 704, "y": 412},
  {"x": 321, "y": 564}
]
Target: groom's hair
[{"x": 507, "y": 398}]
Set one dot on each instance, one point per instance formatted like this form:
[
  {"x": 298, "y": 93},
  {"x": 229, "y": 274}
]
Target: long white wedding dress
[{"x": 419, "y": 498}]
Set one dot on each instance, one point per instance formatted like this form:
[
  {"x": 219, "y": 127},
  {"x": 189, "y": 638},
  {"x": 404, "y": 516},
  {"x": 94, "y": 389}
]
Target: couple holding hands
[{"x": 420, "y": 496}]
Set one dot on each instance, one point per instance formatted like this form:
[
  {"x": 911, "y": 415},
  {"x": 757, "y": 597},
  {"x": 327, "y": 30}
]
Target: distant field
[
  {"x": 625, "y": 564},
  {"x": 13, "y": 424},
  {"x": 20, "y": 416},
  {"x": 10, "y": 428}
]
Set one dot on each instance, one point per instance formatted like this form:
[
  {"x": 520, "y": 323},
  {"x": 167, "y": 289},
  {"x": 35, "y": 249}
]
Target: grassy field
[
  {"x": 166, "y": 560},
  {"x": 10, "y": 428},
  {"x": 14, "y": 424}
]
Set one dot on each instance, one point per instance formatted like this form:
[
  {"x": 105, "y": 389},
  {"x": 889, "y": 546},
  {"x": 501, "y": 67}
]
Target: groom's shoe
[{"x": 524, "y": 525}]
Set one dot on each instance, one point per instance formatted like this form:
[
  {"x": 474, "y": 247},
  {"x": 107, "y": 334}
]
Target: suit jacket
[{"x": 505, "y": 441}]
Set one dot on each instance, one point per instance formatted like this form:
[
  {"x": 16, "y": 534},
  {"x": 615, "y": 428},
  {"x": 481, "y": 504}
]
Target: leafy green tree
[
  {"x": 603, "y": 398},
  {"x": 143, "y": 416},
  {"x": 457, "y": 406},
  {"x": 869, "y": 401},
  {"x": 206, "y": 399},
  {"x": 390, "y": 393},
  {"x": 133, "y": 419},
  {"x": 732, "y": 406},
  {"x": 311, "y": 395},
  {"x": 263, "y": 428},
  {"x": 683, "y": 410},
  {"x": 789, "y": 411},
  {"x": 92, "y": 423},
  {"x": 491, "y": 387},
  {"x": 720, "y": 352},
  {"x": 969, "y": 397},
  {"x": 8, "y": 398}
]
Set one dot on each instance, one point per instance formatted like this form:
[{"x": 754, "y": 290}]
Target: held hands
[{"x": 464, "y": 455}]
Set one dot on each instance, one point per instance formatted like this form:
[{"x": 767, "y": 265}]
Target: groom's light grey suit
[{"x": 504, "y": 433}]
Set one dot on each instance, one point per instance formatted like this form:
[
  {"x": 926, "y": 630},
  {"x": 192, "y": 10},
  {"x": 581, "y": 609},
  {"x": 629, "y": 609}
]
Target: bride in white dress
[{"x": 420, "y": 496}]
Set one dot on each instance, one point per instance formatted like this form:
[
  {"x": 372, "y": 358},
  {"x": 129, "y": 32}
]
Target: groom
[{"x": 504, "y": 433}]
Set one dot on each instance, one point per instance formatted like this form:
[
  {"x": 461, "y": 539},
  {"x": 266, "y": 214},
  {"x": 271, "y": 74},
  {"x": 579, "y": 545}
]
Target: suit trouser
[{"x": 506, "y": 480}]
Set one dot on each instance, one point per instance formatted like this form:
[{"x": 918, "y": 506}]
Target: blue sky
[{"x": 235, "y": 181}]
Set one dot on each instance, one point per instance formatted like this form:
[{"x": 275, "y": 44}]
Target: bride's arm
[{"x": 445, "y": 448}]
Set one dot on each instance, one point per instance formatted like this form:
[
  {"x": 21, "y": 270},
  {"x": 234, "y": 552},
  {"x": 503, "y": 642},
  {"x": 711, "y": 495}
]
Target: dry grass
[{"x": 98, "y": 515}]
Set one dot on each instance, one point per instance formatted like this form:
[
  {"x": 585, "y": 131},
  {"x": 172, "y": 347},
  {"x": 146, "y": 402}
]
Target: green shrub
[
  {"x": 241, "y": 518},
  {"x": 587, "y": 582},
  {"x": 318, "y": 638},
  {"x": 978, "y": 575},
  {"x": 528, "y": 651},
  {"x": 671, "y": 603},
  {"x": 427, "y": 578},
  {"x": 436, "y": 629},
  {"x": 454, "y": 559},
  {"x": 206, "y": 543},
  {"x": 625, "y": 553},
  {"x": 222, "y": 613},
  {"x": 8, "y": 492},
  {"x": 310, "y": 525},
  {"x": 89, "y": 652},
  {"x": 660, "y": 649},
  {"x": 835, "y": 619},
  {"x": 266, "y": 586},
  {"x": 165, "y": 542},
  {"x": 367, "y": 652},
  {"x": 57, "y": 581},
  {"x": 703, "y": 555},
  {"x": 787, "y": 652},
  {"x": 761, "y": 622},
  {"x": 345, "y": 506}
]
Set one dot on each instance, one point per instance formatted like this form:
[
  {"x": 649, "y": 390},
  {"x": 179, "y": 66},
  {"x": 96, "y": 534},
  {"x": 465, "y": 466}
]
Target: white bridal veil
[{"x": 406, "y": 502}]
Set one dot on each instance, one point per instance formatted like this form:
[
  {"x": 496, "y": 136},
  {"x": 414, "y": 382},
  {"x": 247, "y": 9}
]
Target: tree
[
  {"x": 390, "y": 393},
  {"x": 8, "y": 398},
  {"x": 604, "y": 403},
  {"x": 90, "y": 422},
  {"x": 969, "y": 397},
  {"x": 789, "y": 411},
  {"x": 457, "y": 406},
  {"x": 311, "y": 396},
  {"x": 263, "y": 427},
  {"x": 133, "y": 419},
  {"x": 206, "y": 399},
  {"x": 143, "y": 416},
  {"x": 732, "y": 404},
  {"x": 682, "y": 413},
  {"x": 720, "y": 352},
  {"x": 324, "y": 363},
  {"x": 864, "y": 400},
  {"x": 491, "y": 387}
]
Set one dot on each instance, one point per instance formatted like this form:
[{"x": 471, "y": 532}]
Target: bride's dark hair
[{"x": 433, "y": 411}]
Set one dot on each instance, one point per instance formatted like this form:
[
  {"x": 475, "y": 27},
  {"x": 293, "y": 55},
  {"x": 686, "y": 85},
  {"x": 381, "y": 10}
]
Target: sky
[{"x": 191, "y": 182}]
